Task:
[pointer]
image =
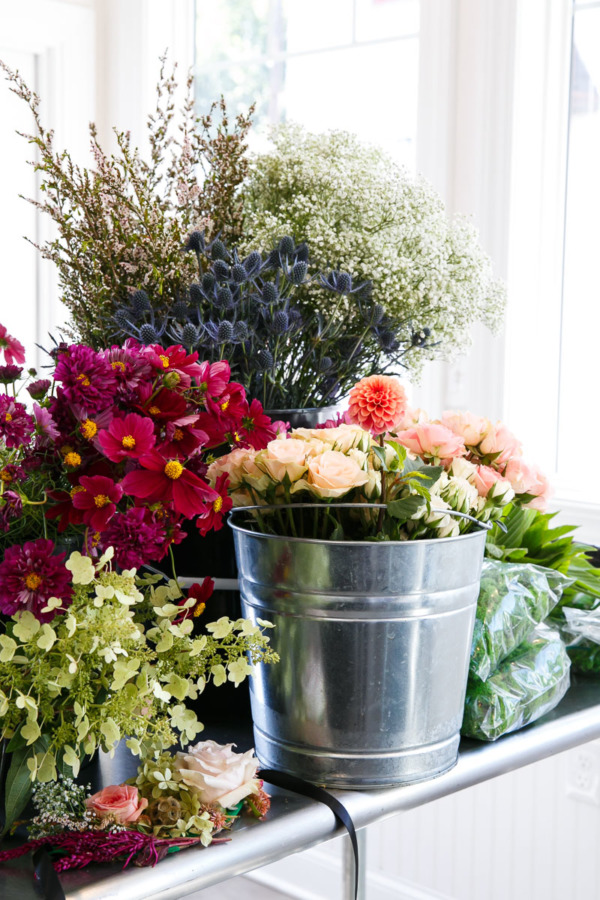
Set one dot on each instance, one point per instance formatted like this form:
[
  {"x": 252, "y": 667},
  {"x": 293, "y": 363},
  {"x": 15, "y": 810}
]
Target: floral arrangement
[
  {"x": 418, "y": 472},
  {"x": 365, "y": 214},
  {"x": 114, "y": 452},
  {"x": 99, "y": 655},
  {"x": 251, "y": 311},
  {"x": 121, "y": 225},
  {"x": 176, "y": 802}
]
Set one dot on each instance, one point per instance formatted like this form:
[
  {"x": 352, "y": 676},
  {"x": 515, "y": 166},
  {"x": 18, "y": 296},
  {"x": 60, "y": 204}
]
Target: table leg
[{"x": 348, "y": 866}]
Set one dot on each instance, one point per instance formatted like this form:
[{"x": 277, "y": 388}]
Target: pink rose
[
  {"x": 411, "y": 417},
  {"x": 120, "y": 801},
  {"x": 521, "y": 475},
  {"x": 487, "y": 479},
  {"x": 542, "y": 490},
  {"x": 216, "y": 774},
  {"x": 472, "y": 429},
  {"x": 333, "y": 474},
  {"x": 500, "y": 443},
  {"x": 432, "y": 441}
]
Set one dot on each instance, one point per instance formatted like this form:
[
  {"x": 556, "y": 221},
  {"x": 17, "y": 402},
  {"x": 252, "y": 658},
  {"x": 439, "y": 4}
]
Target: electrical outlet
[{"x": 583, "y": 774}]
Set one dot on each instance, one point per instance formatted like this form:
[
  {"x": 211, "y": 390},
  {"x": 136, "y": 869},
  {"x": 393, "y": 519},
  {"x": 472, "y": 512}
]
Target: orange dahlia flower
[{"x": 377, "y": 403}]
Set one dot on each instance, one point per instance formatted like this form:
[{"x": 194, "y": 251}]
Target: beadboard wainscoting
[{"x": 522, "y": 836}]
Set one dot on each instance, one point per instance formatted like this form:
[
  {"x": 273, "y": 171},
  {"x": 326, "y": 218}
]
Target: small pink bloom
[
  {"x": 121, "y": 802},
  {"x": 432, "y": 441},
  {"x": 484, "y": 478},
  {"x": 14, "y": 351},
  {"x": 501, "y": 444},
  {"x": 377, "y": 403}
]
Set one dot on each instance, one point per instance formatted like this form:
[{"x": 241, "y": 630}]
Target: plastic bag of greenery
[
  {"x": 528, "y": 684},
  {"x": 513, "y": 598},
  {"x": 580, "y": 629}
]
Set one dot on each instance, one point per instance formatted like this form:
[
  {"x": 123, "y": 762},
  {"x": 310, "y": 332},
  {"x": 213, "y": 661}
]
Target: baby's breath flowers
[{"x": 363, "y": 213}]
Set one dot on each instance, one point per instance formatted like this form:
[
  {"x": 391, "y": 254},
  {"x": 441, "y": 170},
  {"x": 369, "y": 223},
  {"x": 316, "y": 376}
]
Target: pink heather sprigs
[{"x": 86, "y": 847}]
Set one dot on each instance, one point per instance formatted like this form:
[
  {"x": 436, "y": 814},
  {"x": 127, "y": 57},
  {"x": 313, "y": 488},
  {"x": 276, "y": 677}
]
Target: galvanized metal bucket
[{"x": 374, "y": 640}]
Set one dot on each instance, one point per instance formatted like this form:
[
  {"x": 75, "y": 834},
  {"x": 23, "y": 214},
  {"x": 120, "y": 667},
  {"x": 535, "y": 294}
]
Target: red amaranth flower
[
  {"x": 127, "y": 438},
  {"x": 98, "y": 500},
  {"x": 30, "y": 575},
  {"x": 16, "y": 425},
  {"x": 14, "y": 351},
  {"x": 377, "y": 403},
  {"x": 167, "y": 481},
  {"x": 87, "y": 378},
  {"x": 221, "y": 505}
]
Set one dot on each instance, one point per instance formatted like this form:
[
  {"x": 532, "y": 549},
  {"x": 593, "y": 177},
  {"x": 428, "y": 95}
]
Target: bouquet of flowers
[
  {"x": 114, "y": 452},
  {"x": 252, "y": 310},
  {"x": 363, "y": 213},
  {"x": 175, "y": 802}
]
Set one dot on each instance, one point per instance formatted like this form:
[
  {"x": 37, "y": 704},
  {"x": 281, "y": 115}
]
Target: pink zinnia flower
[
  {"x": 98, "y": 500},
  {"x": 87, "y": 378},
  {"x": 127, "y": 438},
  {"x": 30, "y": 575},
  {"x": 377, "y": 403},
  {"x": 129, "y": 365},
  {"x": 213, "y": 519},
  {"x": 432, "y": 441},
  {"x": 14, "y": 351},
  {"x": 137, "y": 537},
  {"x": 16, "y": 425},
  {"x": 167, "y": 481}
]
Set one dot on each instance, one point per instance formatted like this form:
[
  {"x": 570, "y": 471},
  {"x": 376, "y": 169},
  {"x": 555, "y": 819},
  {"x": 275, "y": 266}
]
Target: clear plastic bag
[
  {"x": 513, "y": 599},
  {"x": 529, "y": 683}
]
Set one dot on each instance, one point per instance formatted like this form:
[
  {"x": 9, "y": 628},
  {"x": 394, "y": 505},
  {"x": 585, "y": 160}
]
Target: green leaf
[
  {"x": 405, "y": 508},
  {"x": 18, "y": 783},
  {"x": 380, "y": 454}
]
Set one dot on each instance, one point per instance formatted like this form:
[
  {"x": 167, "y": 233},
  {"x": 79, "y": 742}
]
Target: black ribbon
[
  {"x": 45, "y": 874},
  {"x": 306, "y": 789}
]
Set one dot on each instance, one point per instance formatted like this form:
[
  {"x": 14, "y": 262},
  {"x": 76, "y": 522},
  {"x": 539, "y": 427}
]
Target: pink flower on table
[
  {"x": 432, "y": 441},
  {"x": 500, "y": 445},
  {"x": 472, "y": 429},
  {"x": 16, "y": 425},
  {"x": 120, "y": 802},
  {"x": 216, "y": 774},
  {"x": 528, "y": 479},
  {"x": 98, "y": 501},
  {"x": 128, "y": 438},
  {"x": 411, "y": 417},
  {"x": 377, "y": 403},
  {"x": 14, "y": 351},
  {"x": 168, "y": 481},
  {"x": 30, "y": 575}
]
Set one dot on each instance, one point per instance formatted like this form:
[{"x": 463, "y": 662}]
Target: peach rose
[
  {"x": 522, "y": 476},
  {"x": 487, "y": 479},
  {"x": 232, "y": 464},
  {"x": 500, "y": 443},
  {"x": 332, "y": 474},
  {"x": 283, "y": 458},
  {"x": 432, "y": 441},
  {"x": 341, "y": 437},
  {"x": 216, "y": 774},
  {"x": 542, "y": 490},
  {"x": 411, "y": 417},
  {"x": 472, "y": 429},
  {"x": 120, "y": 801}
]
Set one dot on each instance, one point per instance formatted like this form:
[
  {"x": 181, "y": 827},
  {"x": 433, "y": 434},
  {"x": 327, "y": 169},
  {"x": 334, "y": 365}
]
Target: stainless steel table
[{"x": 295, "y": 823}]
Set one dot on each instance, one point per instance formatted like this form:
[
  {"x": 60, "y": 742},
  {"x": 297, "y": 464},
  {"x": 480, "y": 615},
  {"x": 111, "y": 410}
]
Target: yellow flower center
[
  {"x": 173, "y": 469},
  {"x": 89, "y": 429},
  {"x": 8, "y": 417},
  {"x": 224, "y": 405},
  {"x": 32, "y": 581},
  {"x": 154, "y": 410},
  {"x": 84, "y": 379},
  {"x": 118, "y": 365},
  {"x": 199, "y": 609},
  {"x": 217, "y": 505},
  {"x": 5, "y": 476},
  {"x": 178, "y": 434},
  {"x": 101, "y": 500},
  {"x": 96, "y": 538},
  {"x": 165, "y": 361},
  {"x": 128, "y": 442},
  {"x": 72, "y": 459},
  {"x": 77, "y": 490}
]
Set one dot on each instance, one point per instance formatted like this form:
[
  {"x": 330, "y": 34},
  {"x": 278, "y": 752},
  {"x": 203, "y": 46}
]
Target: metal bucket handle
[{"x": 275, "y": 506}]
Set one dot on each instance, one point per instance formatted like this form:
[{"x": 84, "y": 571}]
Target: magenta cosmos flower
[
  {"x": 14, "y": 351},
  {"x": 87, "y": 378},
  {"x": 167, "y": 481},
  {"x": 30, "y": 575},
  {"x": 130, "y": 437},
  {"x": 16, "y": 425},
  {"x": 137, "y": 538},
  {"x": 98, "y": 500}
]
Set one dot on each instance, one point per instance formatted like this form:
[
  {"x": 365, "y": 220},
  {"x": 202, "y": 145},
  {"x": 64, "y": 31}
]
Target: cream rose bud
[
  {"x": 333, "y": 474},
  {"x": 283, "y": 458},
  {"x": 216, "y": 774},
  {"x": 343, "y": 437},
  {"x": 463, "y": 468}
]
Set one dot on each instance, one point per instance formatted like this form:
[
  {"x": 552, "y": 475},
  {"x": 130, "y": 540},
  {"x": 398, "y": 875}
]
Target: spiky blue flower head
[
  {"x": 344, "y": 282},
  {"x": 189, "y": 335},
  {"x": 270, "y": 294},
  {"x": 123, "y": 319},
  {"x": 148, "y": 333},
  {"x": 295, "y": 318},
  {"x": 225, "y": 331},
  {"x": 264, "y": 359},
  {"x": 287, "y": 245},
  {"x": 298, "y": 273},
  {"x": 302, "y": 253},
  {"x": 140, "y": 302},
  {"x": 218, "y": 250},
  {"x": 419, "y": 338},
  {"x": 180, "y": 308},
  {"x": 208, "y": 282},
  {"x": 221, "y": 270},
  {"x": 196, "y": 293},
  {"x": 387, "y": 339},
  {"x": 196, "y": 241},
  {"x": 377, "y": 314},
  {"x": 241, "y": 331},
  {"x": 273, "y": 260},
  {"x": 224, "y": 298},
  {"x": 280, "y": 322},
  {"x": 252, "y": 263},
  {"x": 238, "y": 273},
  {"x": 325, "y": 364}
]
